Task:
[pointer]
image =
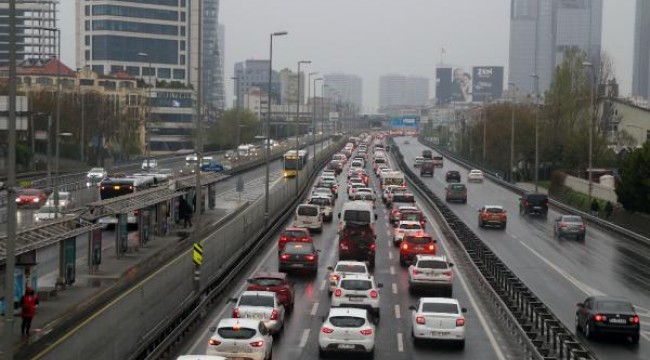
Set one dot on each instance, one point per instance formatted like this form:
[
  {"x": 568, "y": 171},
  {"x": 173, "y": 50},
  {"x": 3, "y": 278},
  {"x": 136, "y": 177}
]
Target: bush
[{"x": 557, "y": 180}]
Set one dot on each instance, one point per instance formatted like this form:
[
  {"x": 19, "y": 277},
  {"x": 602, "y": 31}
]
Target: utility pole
[
  {"x": 536, "y": 77},
  {"x": 298, "y": 125},
  {"x": 512, "y": 131},
  {"x": 199, "y": 145}
]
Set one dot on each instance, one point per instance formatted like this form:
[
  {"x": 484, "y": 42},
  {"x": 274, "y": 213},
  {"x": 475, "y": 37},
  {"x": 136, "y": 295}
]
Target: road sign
[{"x": 198, "y": 254}]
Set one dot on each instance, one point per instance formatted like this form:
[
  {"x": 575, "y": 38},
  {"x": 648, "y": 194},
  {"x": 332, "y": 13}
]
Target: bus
[
  {"x": 247, "y": 150},
  {"x": 395, "y": 178},
  {"x": 293, "y": 162},
  {"x": 119, "y": 186}
]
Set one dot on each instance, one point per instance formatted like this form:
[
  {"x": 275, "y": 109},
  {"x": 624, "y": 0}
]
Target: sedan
[
  {"x": 31, "y": 198},
  {"x": 435, "y": 318},
  {"x": 244, "y": 338},
  {"x": 95, "y": 176},
  {"x": 570, "y": 225},
  {"x": 260, "y": 305},
  {"x": 431, "y": 271},
  {"x": 347, "y": 330},
  {"x": 276, "y": 282},
  {"x": 299, "y": 256},
  {"x": 475, "y": 176},
  {"x": 608, "y": 315}
]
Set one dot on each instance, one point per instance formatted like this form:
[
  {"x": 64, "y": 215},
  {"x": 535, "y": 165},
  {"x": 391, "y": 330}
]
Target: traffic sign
[{"x": 198, "y": 254}]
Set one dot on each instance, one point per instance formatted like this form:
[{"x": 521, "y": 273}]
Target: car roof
[
  {"x": 476, "y": 171},
  {"x": 431, "y": 257},
  {"x": 438, "y": 300},
  {"x": 269, "y": 274},
  {"x": 453, "y": 172},
  {"x": 358, "y": 277},
  {"x": 257, "y": 293},
  {"x": 347, "y": 311},
  {"x": 493, "y": 207},
  {"x": 408, "y": 207},
  {"x": 598, "y": 298},
  {"x": 247, "y": 323},
  {"x": 409, "y": 222},
  {"x": 350, "y": 262}
]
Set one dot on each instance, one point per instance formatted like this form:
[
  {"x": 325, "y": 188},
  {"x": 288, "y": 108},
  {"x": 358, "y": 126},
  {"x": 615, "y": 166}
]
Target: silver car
[
  {"x": 570, "y": 225},
  {"x": 260, "y": 305}
]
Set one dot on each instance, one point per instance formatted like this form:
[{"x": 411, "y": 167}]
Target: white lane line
[
  {"x": 322, "y": 285},
  {"x": 304, "y": 338},
  {"x": 389, "y": 243},
  {"x": 400, "y": 342},
  {"x": 388, "y": 233},
  {"x": 390, "y": 255},
  {"x": 394, "y": 286},
  {"x": 398, "y": 312},
  {"x": 392, "y": 270},
  {"x": 314, "y": 309},
  {"x": 579, "y": 284}
]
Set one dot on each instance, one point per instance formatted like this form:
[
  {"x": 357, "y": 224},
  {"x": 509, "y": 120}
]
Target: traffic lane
[{"x": 561, "y": 272}]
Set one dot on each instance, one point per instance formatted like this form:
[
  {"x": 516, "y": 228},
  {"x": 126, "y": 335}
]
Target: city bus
[
  {"x": 119, "y": 186},
  {"x": 293, "y": 162}
]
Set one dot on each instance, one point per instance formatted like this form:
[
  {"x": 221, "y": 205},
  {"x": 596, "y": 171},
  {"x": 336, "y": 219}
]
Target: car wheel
[
  {"x": 402, "y": 262},
  {"x": 480, "y": 224},
  {"x": 577, "y": 324},
  {"x": 464, "y": 201},
  {"x": 503, "y": 226},
  {"x": 634, "y": 339},
  {"x": 271, "y": 355},
  {"x": 416, "y": 341},
  {"x": 321, "y": 353},
  {"x": 396, "y": 243},
  {"x": 371, "y": 354},
  {"x": 461, "y": 344},
  {"x": 589, "y": 333}
]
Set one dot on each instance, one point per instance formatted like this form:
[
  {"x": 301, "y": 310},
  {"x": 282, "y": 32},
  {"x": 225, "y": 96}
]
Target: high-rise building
[
  {"x": 255, "y": 74},
  {"x": 541, "y": 31},
  {"x": 399, "y": 90},
  {"x": 36, "y": 34},
  {"x": 212, "y": 54},
  {"x": 289, "y": 86},
  {"x": 641, "y": 66},
  {"x": 348, "y": 87},
  {"x": 222, "y": 58}
]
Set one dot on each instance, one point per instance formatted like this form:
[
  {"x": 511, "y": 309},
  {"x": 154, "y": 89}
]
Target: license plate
[
  {"x": 419, "y": 248},
  {"x": 346, "y": 346},
  {"x": 618, "y": 321},
  {"x": 537, "y": 207},
  {"x": 438, "y": 333},
  {"x": 297, "y": 265},
  {"x": 356, "y": 299}
]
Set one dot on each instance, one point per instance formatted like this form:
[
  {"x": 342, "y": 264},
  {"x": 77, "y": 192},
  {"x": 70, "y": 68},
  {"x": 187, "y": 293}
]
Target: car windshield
[
  {"x": 354, "y": 284},
  {"x": 30, "y": 192},
  {"x": 432, "y": 264},
  {"x": 347, "y": 321},
  {"x": 357, "y": 215},
  {"x": 307, "y": 211},
  {"x": 299, "y": 248},
  {"x": 457, "y": 187},
  {"x": 445, "y": 308},
  {"x": 96, "y": 170},
  {"x": 320, "y": 201},
  {"x": 409, "y": 226},
  {"x": 267, "y": 281},
  {"x": 256, "y": 300},
  {"x": 614, "y": 306},
  {"x": 349, "y": 268},
  {"x": 418, "y": 240},
  {"x": 294, "y": 233},
  {"x": 572, "y": 219},
  {"x": 238, "y": 333},
  {"x": 405, "y": 198},
  {"x": 494, "y": 210}
]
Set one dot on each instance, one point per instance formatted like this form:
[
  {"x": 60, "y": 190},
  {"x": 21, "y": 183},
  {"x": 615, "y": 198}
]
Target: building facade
[
  {"x": 255, "y": 74},
  {"x": 348, "y": 87},
  {"x": 212, "y": 54},
  {"x": 36, "y": 37},
  {"x": 641, "y": 62},
  {"x": 541, "y": 31},
  {"x": 289, "y": 86},
  {"x": 402, "y": 91}
]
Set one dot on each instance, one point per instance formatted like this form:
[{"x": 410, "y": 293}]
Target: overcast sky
[{"x": 370, "y": 38}]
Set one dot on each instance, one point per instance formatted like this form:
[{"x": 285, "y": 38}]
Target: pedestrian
[
  {"x": 186, "y": 211},
  {"x": 28, "y": 303},
  {"x": 609, "y": 208},
  {"x": 595, "y": 208}
]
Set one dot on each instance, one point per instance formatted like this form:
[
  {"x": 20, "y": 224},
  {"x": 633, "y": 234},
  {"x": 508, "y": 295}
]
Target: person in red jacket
[{"x": 28, "y": 303}]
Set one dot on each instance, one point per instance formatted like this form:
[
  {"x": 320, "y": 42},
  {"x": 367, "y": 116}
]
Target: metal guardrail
[
  {"x": 544, "y": 334},
  {"x": 564, "y": 207}
]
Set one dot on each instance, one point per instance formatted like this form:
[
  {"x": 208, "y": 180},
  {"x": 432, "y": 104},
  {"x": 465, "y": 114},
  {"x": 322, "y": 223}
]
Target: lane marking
[
  {"x": 390, "y": 255},
  {"x": 389, "y": 243},
  {"x": 322, "y": 285},
  {"x": 304, "y": 338},
  {"x": 400, "y": 342},
  {"x": 579, "y": 284},
  {"x": 314, "y": 309},
  {"x": 398, "y": 312},
  {"x": 392, "y": 270},
  {"x": 394, "y": 286}
]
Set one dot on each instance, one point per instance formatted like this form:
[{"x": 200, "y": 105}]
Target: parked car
[
  {"x": 608, "y": 315},
  {"x": 30, "y": 198},
  {"x": 570, "y": 225},
  {"x": 244, "y": 338},
  {"x": 492, "y": 215},
  {"x": 276, "y": 282},
  {"x": 437, "y": 318},
  {"x": 534, "y": 204}
]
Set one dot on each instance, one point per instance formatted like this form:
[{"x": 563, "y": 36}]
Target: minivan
[{"x": 309, "y": 216}]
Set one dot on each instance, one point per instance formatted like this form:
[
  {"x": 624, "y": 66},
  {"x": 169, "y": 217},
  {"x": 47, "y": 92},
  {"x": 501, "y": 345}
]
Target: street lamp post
[
  {"x": 313, "y": 117},
  {"x": 313, "y": 122},
  {"x": 267, "y": 130},
  {"x": 306, "y": 62},
  {"x": 322, "y": 113},
  {"x": 512, "y": 131},
  {"x": 237, "y": 112},
  {"x": 591, "y": 127},
  {"x": 536, "y": 77},
  {"x": 147, "y": 119}
]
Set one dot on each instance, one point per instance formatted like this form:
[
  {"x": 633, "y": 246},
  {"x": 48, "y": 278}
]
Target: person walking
[
  {"x": 28, "y": 303},
  {"x": 595, "y": 208},
  {"x": 186, "y": 210},
  {"x": 609, "y": 208}
]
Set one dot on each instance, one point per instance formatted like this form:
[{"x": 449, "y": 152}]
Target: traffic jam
[{"x": 346, "y": 197}]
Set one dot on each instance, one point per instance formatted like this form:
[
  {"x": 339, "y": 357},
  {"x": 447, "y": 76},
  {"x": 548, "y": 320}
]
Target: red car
[
  {"x": 416, "y": 244},
  {"x": 293, "y": 234},
  {"x": 31, "y": 197},
  {"x": 276, "y": 282}
]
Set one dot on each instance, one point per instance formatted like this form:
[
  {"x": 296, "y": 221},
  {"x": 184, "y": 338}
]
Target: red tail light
[
  {"x": 599, "y": 317},
  {"x": 635, "y": 320},
  {"x": 310, "y": 257},
  {"x": 257, "y": 344},
  {"x": 432, "y": 247},
  {"x": 582, "y": 226},
  {"x": 344, "y": 246},
  {"x": 274, "y": 314},
  {"x": 405, "y": 246},
  {"x": 326, "y": 330},
  {"x": 562, "y": 225},
  {"x": 415, "y": 271},
  {"x": 526, "y": 203},
  {"x": 420, "y": 320},
  {"x": 460, "y": 322},
  {"x": 214, "y": 342},
  {"x": 235, "y": 313},
  {"x": 372, "y": 246},
  {"x": 334, "y": 277},
  {"x": 284, "y": 257},
  {"x": 284, "y": 239},
  {"x": 338, "y": 292},
  {"x": 374, "y": 294},
  {"x": 447, "y": 273},
  {"x": 366, "y": 332}
]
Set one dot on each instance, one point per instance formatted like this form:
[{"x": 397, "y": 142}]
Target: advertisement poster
[
  {"x": 461, "y": 86},
  {"x": 488, "y": 83},
  {"x": 443, "y": 85}
]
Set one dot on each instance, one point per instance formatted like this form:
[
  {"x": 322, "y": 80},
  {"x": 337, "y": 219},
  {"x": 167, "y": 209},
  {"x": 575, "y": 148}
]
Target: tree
[
  {"x": 633, "y": 188},
  {"x": 225, "y": 132}
]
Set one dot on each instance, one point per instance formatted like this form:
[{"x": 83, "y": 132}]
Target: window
[
  {"x": 148, "y": 71},
  {"x": 87, "y": 25},
  {"x": 182, "y": 45},
  {"x": 440, "y": 308},
  {"x": 87, "y": 40},
  {"x": 87, "y": 10},
  {"x": 182, "y": 30},
  {"x": 133, "y": 70},
  {"x": 182, "y": 60},
  {"x": 86, "y": 82},
  {"x": 179, "y": 74},
  {"x": 347, "y": 321},
  {"x": 182, "y": 15},
  {"x": 164, "y": 73},
  {"x": 116, "y": 68},
  {"x": 87, "y": 55},
  {"x": 358, "y": 285},
  {"x": 128, "y": 26},
  {"x": 126, "y": 48},
  {"x": 134, "y": 12},
  {"x": 239, "y": 333},
  {"x": 256, "y": 300},
  {"x": 99, "y": 69}
]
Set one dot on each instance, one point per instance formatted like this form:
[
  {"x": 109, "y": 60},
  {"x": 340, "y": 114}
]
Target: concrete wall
[{"x": 598, "y": 191}]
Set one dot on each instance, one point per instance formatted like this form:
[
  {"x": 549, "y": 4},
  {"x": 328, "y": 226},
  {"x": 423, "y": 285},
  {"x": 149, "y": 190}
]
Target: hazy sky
[{"x": 370, "y": 38}]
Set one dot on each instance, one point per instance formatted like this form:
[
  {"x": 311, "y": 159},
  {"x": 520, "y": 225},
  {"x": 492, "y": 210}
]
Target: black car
[
  {"x": 357, "y": 242},
  {"x": 608, "y": 315},
  {"x": 427, "y": 168},
  {"x": 534, "y": 204},
  {"x": 299, "y": 256},
  {"x": 452, "y": 176}
]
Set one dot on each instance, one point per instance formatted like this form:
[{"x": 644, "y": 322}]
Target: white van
[
  {"x": 309, "y": 216},
  {"x": 360, "y": 212}
]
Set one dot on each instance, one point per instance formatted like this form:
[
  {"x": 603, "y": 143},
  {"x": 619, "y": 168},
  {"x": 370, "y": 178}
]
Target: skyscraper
[
  {"x": 541, "y": 31},
  {"x": 348, "y": 87},
  {"x": 35, "y": 35},
  {"x": 255, "y": 74},
  {"x": 399, "y": 90},
  {"x": 212, "y": 54},
  {"x": 641, "y": 66}
]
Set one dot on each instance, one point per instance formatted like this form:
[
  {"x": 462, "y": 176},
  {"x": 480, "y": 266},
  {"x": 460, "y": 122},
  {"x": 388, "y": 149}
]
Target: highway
[
  {"x": 561, "y": 272},
  {"x": 299, "y": 339}
]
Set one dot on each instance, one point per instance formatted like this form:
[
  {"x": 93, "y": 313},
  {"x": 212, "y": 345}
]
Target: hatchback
[
  {"x": 570, "y": 225},
  {"x": 276, "y": 282},
  {"x": 293, "y": 234},
  {"x": 344, "y": 268},
  {"x": 358, "y": 291},
  {"x": 243, "y": 338},
  {"x": 260, "y": 305},
  {"x": 415, "y": 244},
  {"x": 347, "y": 330},
  {"x": 493, "y": 215},
  {"x": 299, "y": 256},
  {"x": 405, "y": 228},
  {"x": 436, "y": 318}
]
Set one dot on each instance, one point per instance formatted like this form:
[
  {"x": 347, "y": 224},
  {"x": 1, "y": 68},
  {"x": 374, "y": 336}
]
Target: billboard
[
  {"x": 408, "y": 122},
  {"x": 488, "y": 83},
  {"x": 443, "y": 85},
  {"x": 461, "y": 85}
]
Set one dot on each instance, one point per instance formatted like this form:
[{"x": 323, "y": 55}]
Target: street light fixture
[
  {"x": 297, "y": 120},
  {"x": 591, "y": 126},
  {"x": 513, "y": 89},
  {"x": 268, "y": 122},
  {"x": 536, "y": 77}
]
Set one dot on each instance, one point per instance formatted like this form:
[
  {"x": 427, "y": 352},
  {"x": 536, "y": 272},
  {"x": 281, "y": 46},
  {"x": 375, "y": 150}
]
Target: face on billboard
[{"x": 461, "y": 86}]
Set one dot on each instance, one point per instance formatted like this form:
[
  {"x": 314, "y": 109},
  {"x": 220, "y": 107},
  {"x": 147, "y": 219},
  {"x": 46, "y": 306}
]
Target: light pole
[
  {"x": 267, "y": 130},
  {"x": 513, "y": 89},
  {"x": 306, "y": 62},
  {"x": 236, "y": 78},
  {"x": 313, "y": 123},
  {"x": 592, "y": 113},
  {"x": 147, "y": 119},
  {"x": 322, "y": 113},
  {"x": 536, "y": 78},
  {"x": 237, "y": 112},
  {"x": 313, "y": 117}
]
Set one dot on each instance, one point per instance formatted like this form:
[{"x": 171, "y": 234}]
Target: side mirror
[
  {"x": 464, "y": 310},
  {"x": 232, "y": 300},
  {"x": 213, "y": 329},
  {"x": 318, "y": 250},
  {"x": 380, "y": 285},
  {"x": 322, "y": 318},
  {"x": 412, "y": 307},
  {"x": 330, "y": 268},
  {"x": 580, "y": 305},
  {"x": 451, "y": 264}
]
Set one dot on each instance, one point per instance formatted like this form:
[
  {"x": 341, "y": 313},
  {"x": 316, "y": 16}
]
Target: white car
[
  {"x": 435, "y": 318},
  {"x": 66, "y": 200},
  {"x": 357, "y": 290},
  {"x": 200, "y": 357},
  {"x": 309, "y": 216},
  {"x": 352, "y": 189},
  {"x": 241, "y": 338},
  {"x": 354, "y": 170},
  {"x": 344, "y": 268},
  {"x": 149, "y": 165},
  {"x": 326, "y": 204},
  {"x": 431, "y": 271},
  {"x": 418, "y": 161},
  {"x": 95, "y": 176},
  {"x": 48, "y": 212},
  {"x": 475, "y": 176},
  {"x": 405, "y": 228},
  {"x": 260, "y": 305},
  {"x": 387, "y": 195},
  {"x": 323, "y": 191},
  {"x": 347, "y": 330},
  {"x": 328, "y": 173}
]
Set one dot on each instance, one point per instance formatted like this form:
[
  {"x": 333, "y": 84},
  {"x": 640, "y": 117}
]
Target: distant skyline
[{"x": 371, "y": 38}]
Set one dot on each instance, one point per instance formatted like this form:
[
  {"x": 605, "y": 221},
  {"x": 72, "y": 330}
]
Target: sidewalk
[{"x": 53, "y": 311}]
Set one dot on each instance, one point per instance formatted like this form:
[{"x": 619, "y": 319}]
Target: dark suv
[
  {"x": 452, "y": 176},
  {"x": 533, "y": 203},
  {"x": 426, "y": 168}
]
